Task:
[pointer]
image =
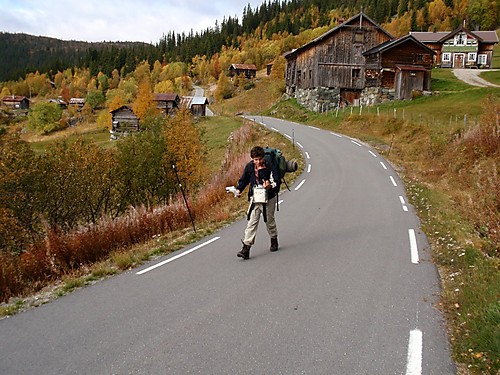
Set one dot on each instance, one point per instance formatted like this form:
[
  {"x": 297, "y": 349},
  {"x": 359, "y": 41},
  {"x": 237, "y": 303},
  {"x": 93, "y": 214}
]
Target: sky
[{"x": 122, "y": 20}]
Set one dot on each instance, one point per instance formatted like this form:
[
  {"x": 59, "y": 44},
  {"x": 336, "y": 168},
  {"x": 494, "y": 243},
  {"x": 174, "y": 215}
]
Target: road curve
[
  {"x": 352, "y": 290},
  {"x": 471, "y": 77}
]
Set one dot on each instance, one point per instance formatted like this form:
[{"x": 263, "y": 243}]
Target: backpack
[{"x": 279, "y": 165}]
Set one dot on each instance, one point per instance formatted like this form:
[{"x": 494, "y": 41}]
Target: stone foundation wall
[
  {"x": 319, "y": 99},
  {"x": 376, "y": 95}
]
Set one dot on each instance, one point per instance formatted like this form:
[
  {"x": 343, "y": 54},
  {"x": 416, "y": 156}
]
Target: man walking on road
[{"x": 262, "y": 194}]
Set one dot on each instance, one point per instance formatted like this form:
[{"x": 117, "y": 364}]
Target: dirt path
[{"x": 471, "y": 77}]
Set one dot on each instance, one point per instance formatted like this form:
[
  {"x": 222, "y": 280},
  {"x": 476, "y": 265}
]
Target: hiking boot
[
  {"x": 274, "y": 244},
  {"x": 245, "y": 252}
]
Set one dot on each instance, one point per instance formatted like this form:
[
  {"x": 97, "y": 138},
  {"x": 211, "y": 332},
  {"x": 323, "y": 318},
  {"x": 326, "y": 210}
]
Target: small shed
[
  {"x": 196, "y": 104},
  {"x": 16, "y": 102},
  {"x": 60, "y": 101},
  {"x": 167, "y": 103},
  {"x": 123, "y": 122},
  {"x": 248, "y": 70},
  {"x": 79, "y": 102}
]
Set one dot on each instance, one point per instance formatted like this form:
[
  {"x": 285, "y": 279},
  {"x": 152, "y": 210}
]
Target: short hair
[{"x": 257, "y": 152}]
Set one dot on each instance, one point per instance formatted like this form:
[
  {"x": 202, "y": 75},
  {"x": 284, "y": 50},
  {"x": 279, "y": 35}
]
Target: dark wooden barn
[
  {"x": 123, "y": 122},
  {"x": 167, "y": 103},
  {"x": 333, "y": 64},
  {"x": 196, "y": 104},
  {"x": 403, "y": 65},
  {"x": 247, "y": 70}
]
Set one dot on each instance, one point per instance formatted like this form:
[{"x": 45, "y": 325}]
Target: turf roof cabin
[
  {"x": 331, "y": 71},
  {"x": 460, "y": 48}
]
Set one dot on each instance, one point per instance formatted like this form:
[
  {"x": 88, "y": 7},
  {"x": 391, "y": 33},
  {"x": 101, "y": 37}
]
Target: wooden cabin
[
  {"x": 167, "y": 103},
  {"x": 401, "y": 66},
  {"x": 330, "y": 69},
  {"x": 248, "y": 70},
  {"x": 123, "y": 122},
  {"x": 460, "y": 48},
  {"x": 196, "y": 104},
  {"x": 16, "y": 102}
]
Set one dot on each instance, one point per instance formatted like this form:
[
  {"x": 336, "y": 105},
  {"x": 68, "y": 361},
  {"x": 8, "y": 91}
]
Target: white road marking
[
  {"x": 383, "y": 165},
  {"x": 298, "y": 144},
  {"x": 300, "y": 185},
  {"x": 286, "y": 135},
  {"x": 393, "y": 181},
  {"x": 413, "y": 246},
  {"x": 307, "y": 155},
  {"x": 309, "y": 168},
  {"x": 275, "y": 129},
  {"x": 373, "y": 154},
  {"x": 414, "y": 359},
  {"x": 177, "y": 256},
  {"x": 402, "y": 200},
  {"x": 313, "y": 127},
  {"x": 335, "y": 134},
  {"x": 356, "y": 143}
]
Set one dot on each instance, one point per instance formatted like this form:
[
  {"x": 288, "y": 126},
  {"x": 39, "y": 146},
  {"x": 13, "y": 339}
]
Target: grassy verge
[{"x": 208, "y": 219}]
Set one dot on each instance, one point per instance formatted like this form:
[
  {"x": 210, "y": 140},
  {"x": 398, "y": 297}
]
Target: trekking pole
[{"x": 184, "y": 196}]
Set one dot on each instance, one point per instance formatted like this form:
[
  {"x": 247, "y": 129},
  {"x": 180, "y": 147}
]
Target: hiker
[{"x": 262, "y": 196}]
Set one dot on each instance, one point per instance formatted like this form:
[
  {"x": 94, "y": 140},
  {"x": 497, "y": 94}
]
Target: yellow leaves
[{"x": 185, "y": 149}]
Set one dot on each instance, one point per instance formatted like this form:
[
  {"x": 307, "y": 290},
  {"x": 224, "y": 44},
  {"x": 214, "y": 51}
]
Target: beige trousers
[{"x": 253, "y": 222}]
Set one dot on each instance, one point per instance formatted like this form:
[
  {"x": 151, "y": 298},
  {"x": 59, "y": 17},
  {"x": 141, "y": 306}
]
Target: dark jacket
[{"x": 248, "y": 178}]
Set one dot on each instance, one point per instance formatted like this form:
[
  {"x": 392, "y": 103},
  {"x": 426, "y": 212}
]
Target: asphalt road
[{"x": 352, "y": 290}]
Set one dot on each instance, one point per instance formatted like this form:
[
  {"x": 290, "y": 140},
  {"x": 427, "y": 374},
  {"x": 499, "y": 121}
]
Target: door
[{"x": 459, "y": 60}]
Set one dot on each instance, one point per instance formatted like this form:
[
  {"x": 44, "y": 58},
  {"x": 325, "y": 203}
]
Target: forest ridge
[{"x": 21, "y": 54}]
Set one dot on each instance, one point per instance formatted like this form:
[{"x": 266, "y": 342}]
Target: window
[
  {"x": 460, "y": 39},
  {"x": 356, "y": 73},
  {"x": 358, "y": 37},
  {"x": 446, "y": 57},
  {"x": 482, "y": 59},
  {"x": 471, "y": 56},
  {"x": 419, "y": 57}
]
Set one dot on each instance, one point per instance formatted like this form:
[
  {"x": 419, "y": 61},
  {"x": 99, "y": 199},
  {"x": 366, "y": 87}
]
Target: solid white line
[
  {"x": 413, "y": 246},
  {"x": 383, "y": 165},
  {"x": 286, "y": 135},
  {"x": 414, "y": 359},
  {"x": 393, "y": 181},
  {"x": 300, "y": 185},
  {"x": 177, "y": 256},
  {"x": 309, "y": 168},
  {"x": 356, "y": 143},
  {"x": 307, "y": 155},
  {"x": 299, "y": 145},
  {"x": 374, "y": 154},
  {"x": 335, "y": 134}
]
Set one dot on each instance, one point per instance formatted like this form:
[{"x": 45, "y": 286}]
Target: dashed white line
[
  {"x": 393, "y": 181},
  {"x": 298, "y": 144},
  {"x": 356, "y": 143},
  {"x": 177, "y": 256},
  {"x": 335, "y": 134},
  {"x": 307, "y": 155},
  {"x": 286, "y": 135},
  {"x": 313, "y": 127},
  {"x": 402, "y": 200},
  {"x": 383, "y": 165},
  {"x": 414, "y": 359},
  {"x": 309, "y": 168},
  {"x": 373, "y": 154},
  {"x": 275, "y": 129},
  {"x": 413, "y": 246},
  {"x": 300, "y": 185}
]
